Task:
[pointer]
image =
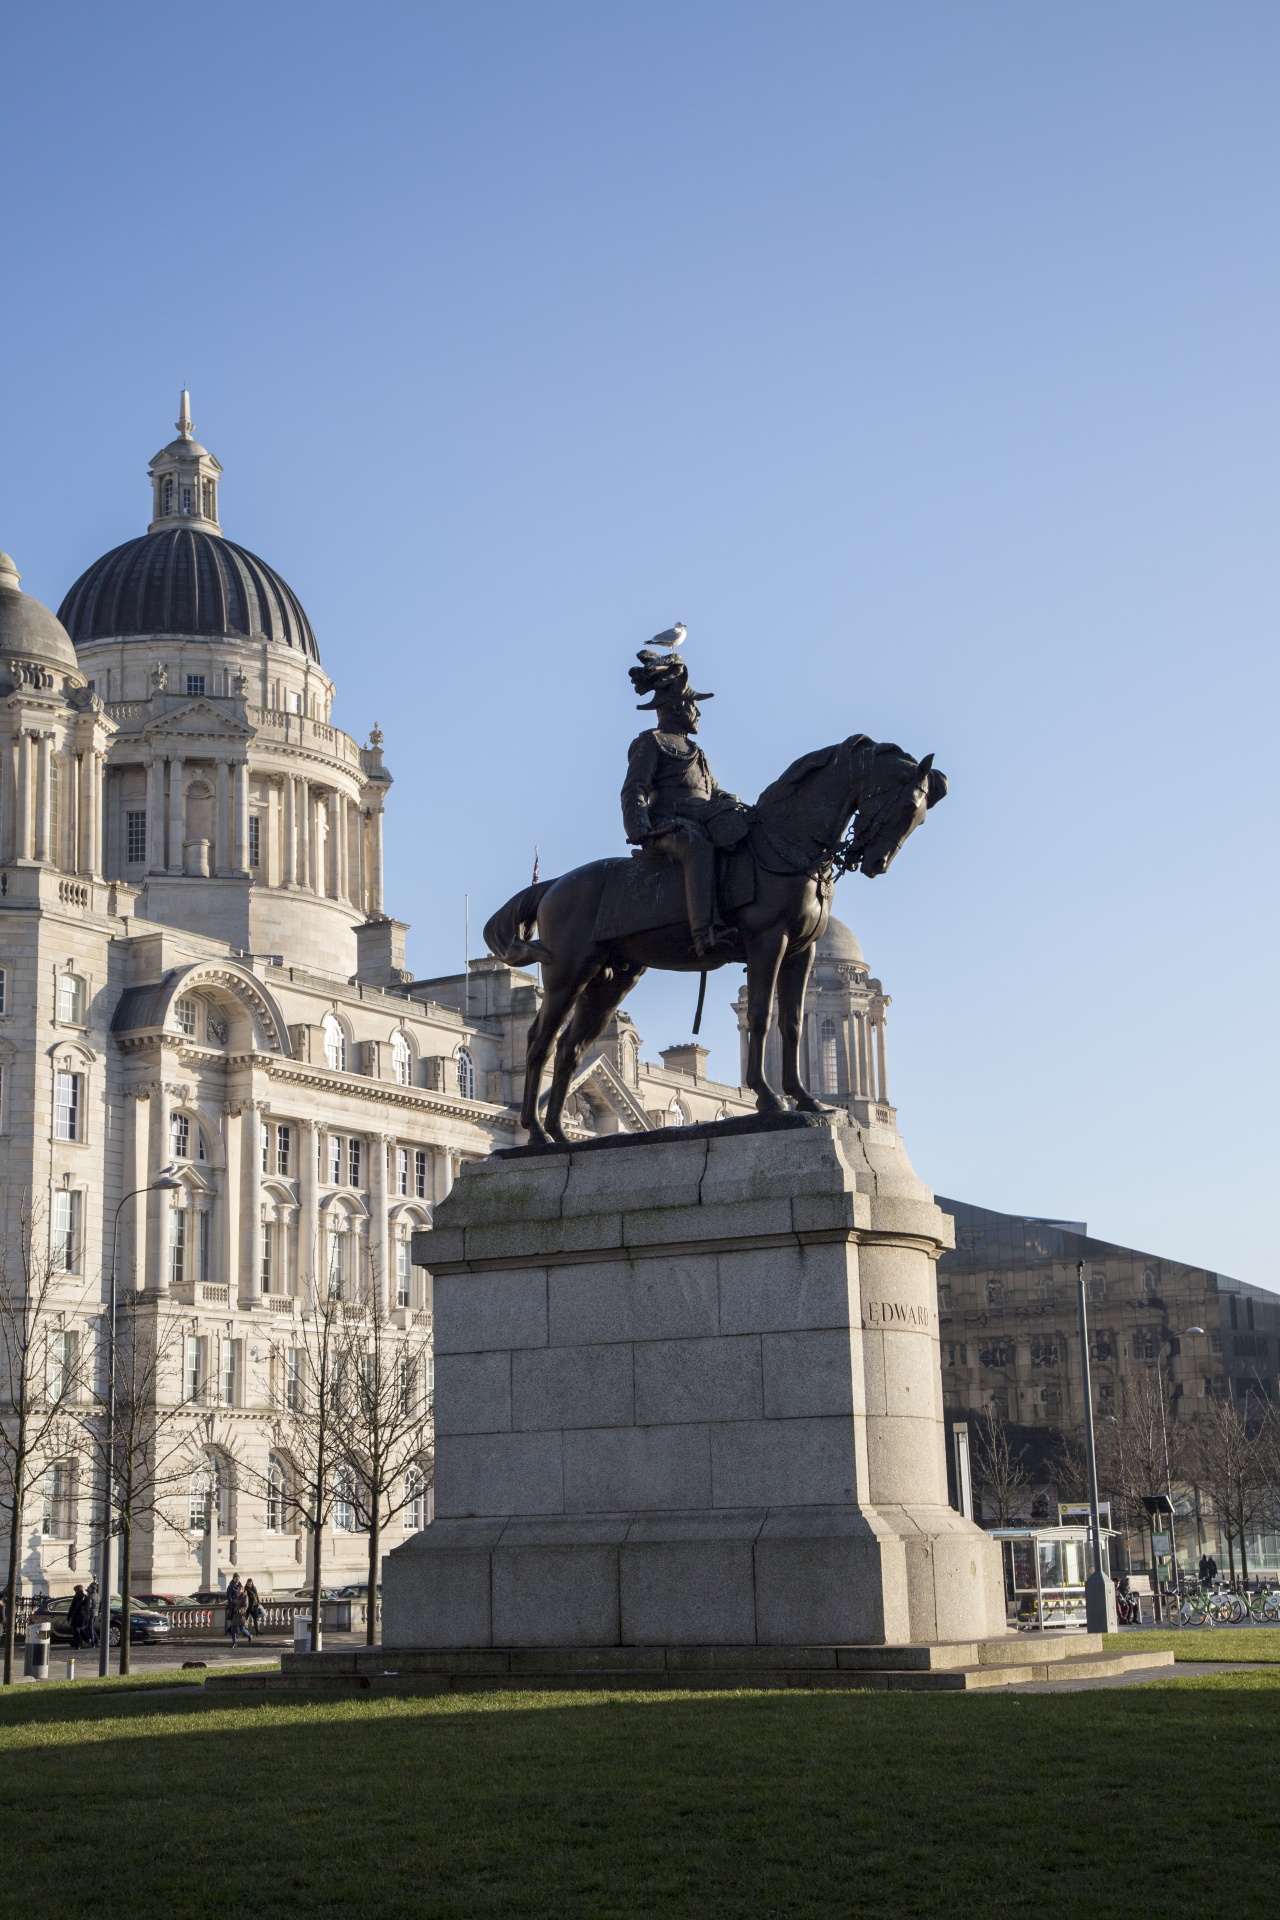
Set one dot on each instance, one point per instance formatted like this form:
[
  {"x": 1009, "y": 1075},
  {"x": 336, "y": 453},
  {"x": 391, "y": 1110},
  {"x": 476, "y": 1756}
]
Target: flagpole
[{"x": 466, "y": 956}]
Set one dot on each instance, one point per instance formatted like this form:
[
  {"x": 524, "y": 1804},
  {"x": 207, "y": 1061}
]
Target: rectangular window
[
  {"x": 255, "y": 840},
  {"x": 192, "y": 1370},
  {"x": 335, "y": 1160},
  {"x": 268, "y": 1249},
  {"x": 353, "y": 1163},
  {"x": 337, "y": 1264},
  {"x": 195, "y": 684},
  {"x": 420, "y": 1173},
  {"x": 3, "y": 1004},
  {"x": 67, "y": 1090},
  {"x": 62, "y": 1365},
  {"x": 265, "y": 1139},
  {"x": 295, "y": 703},
  {"x": 283, "y": 1151},
  {"x": 55, "y": 1520},
  {"x": 402, "y": 1171},
  {"x": 66, "y": 1232},
  {"x": 186, "y": 1017},
  {"x": 403, "y": 1273},
  {"x": 177, "y": 1246},
  {"x": 71, "y": 999},
  {"x": 230, "y": 1371},
  {"x": 180, "y": 1136},
  {"x": 204, "y": 1236},
  {"x": 293, "y": 1379}
]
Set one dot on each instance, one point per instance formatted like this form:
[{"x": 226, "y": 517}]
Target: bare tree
[
  {"x": 1233, "y": 1469},
  {"x": 382, "y": 1424},
  {"x": 150, "y": 1455},
  {"x": 1001, "y": 1469},
  {"x": 39, "y": 1386},
  {"x": 307, "y": 1368}
]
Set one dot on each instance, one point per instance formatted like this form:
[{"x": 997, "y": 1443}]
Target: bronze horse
[{"x": 797, "y": 842}]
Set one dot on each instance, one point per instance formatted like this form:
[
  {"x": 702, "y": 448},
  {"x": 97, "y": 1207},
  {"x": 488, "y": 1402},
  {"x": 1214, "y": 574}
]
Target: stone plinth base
[{"x": 688, "y": 1394}]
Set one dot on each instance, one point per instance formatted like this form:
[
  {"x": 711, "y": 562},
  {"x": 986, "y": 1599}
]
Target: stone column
[
  {"x": 341, "y": 885},
  {"x": 379, "y": 1249},
  {"x": 882, "y": 1072},
  {"x": 357, "y": 898},
  {"x": 240, "y": 853},
  {"x": 251, "y": 1198},
  {"x": 233, "y": 1139},
  {"x": 177, "y": 824},
  {"x": 333, "y": 877},
  {"x": 158, "y": 1204},
  {"x": 44, "y": 797},
  {"x": 131, "y": 1259},
  {"x": 83, "y": 862},
  {"x": 99, "y": 830},
  {"x": 155, "y": 814},
  {"x": 309, "y": 1198},
  {"x": 222, "y": 847},
  {"x": 23, "y": 840},
  {"x": 289, "y": 873},
  {"x": 304, "y": 834},
  {"x": 375, "y": 865}
]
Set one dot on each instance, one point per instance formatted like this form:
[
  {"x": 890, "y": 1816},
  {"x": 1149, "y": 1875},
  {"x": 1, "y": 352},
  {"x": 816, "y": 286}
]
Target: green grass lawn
[
  {"x": 130, "y": 1800},
  {"x": 1202, "y": 1643}
]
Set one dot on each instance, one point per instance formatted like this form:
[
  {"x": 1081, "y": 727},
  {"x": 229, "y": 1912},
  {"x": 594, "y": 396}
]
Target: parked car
[
  {"x": 158, "y": 1602},
  {"x": 357, "y": 1590},
  {"x": 207, "y": 1597},
  {"x": 145, "y": 1626}
]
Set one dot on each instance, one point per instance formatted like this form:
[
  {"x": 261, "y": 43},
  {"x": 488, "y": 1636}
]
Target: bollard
[
  {"x": 71, "y": 1667},
  {"x": 36, "y": 1664}
]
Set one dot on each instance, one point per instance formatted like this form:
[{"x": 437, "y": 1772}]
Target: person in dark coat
[
  {"x": 236, "y": 1612},
  {"x": 78, "y": 1619},
  {"x": 253, "y": 1606}
]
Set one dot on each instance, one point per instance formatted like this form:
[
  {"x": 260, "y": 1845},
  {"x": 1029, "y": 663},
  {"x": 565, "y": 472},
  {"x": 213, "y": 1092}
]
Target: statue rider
[{"x": 671, "y": 805}]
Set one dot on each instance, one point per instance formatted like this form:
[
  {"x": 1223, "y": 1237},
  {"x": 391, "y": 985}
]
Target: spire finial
[{"x": 183, "y": 422}]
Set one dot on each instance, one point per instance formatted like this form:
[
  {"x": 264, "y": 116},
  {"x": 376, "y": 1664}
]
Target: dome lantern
[{"x": 184, "y": 480}]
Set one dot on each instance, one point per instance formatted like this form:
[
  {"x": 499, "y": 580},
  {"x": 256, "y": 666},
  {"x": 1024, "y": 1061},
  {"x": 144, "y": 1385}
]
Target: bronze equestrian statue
[{"x": 711, "y": 882}]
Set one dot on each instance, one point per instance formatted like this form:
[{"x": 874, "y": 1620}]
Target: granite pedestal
[{"x": 688, "y": 1394}]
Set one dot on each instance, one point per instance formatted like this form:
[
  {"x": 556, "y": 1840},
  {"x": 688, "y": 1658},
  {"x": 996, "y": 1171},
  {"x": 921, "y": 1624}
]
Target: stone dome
[
  {"x": 838, "y": 943},
  {"x": 183, "y": 580},
  {"x": 29, "y": 632}
]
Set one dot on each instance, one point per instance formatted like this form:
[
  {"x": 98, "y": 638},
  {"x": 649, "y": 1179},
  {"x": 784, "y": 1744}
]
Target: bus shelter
[{"x": 1045, "y": 1569}]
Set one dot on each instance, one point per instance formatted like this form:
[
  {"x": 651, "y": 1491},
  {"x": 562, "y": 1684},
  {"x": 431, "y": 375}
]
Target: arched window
[
  {"x": 466, "y": 1074},
  {"x": 415, "y": 1505},
  {"x": 166, "y": 494},
  {"x": 678, "y": 1113},
  {"x": 830, "y": 1058},
  {"x": 277, "y": 1496},
  {"x": 209, "y": 1494},
  {"x": 335, "y": 1043},
  {"x": 402, "y": 1059}
]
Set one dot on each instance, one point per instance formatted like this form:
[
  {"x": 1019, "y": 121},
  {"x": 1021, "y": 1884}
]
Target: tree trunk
[
  {"x": 126, "y": 1576},
  {"x": 1244, "y": 1553},
  {"x": 11, "y": 1584},
  {"x": 318, "y": 1537},
  {"x": 373, "y": 1575}
]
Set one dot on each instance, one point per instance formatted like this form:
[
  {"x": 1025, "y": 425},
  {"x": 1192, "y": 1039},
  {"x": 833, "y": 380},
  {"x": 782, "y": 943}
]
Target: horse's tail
[{"x": 507, "y": 934}]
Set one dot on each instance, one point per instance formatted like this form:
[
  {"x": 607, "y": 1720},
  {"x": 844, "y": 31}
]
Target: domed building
[{"x": 200, "y": 986}]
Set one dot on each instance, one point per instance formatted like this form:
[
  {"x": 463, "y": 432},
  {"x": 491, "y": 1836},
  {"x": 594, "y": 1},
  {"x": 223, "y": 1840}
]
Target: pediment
[
  {"x": 197, "y": 719},
  {"x": 600, "y": 1078}
]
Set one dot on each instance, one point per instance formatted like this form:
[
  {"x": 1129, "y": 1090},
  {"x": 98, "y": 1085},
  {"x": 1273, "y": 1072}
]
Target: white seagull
[{"x": 672, "y": 637}]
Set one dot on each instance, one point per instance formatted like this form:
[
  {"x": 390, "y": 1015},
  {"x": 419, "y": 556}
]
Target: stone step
[{"x": 481, "y": 1672}]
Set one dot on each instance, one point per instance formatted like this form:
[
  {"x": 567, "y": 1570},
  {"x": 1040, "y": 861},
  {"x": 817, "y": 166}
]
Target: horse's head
[{"x": 898, "y": 794}]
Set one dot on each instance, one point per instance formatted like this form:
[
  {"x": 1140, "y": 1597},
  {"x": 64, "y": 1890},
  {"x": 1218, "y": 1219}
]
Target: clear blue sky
[{"x": 922, "y": 357}]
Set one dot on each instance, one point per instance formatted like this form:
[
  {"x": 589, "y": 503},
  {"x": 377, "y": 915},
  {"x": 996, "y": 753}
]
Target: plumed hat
[{"x": 664, "y": 676}]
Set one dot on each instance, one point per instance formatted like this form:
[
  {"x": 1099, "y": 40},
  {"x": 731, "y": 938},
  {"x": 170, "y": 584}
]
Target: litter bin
[
  {"x": 302, "y": 1633},
  {"x": 36, "y": 1664},
  {"x": 335, "y": 1615}
]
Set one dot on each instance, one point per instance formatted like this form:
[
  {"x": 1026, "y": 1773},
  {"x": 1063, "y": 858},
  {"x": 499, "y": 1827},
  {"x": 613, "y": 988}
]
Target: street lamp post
[
  {"x": 163, "y": 1183},
  {"x": 1099, "y": 1588}
]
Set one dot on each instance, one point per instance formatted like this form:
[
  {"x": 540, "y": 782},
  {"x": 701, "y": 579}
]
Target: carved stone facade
[{"x": 198, "y": 970}]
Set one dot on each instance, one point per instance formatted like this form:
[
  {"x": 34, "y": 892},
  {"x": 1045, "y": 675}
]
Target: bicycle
[{"x": 1264, "y": 1606}]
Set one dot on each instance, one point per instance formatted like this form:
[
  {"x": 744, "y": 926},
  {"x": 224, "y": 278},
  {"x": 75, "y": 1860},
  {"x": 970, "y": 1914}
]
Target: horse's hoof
[{"x": 805, "y": 1103}]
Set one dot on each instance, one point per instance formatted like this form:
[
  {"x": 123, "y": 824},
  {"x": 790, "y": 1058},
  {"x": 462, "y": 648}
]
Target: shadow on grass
[{"x": 808, "y": 1805}]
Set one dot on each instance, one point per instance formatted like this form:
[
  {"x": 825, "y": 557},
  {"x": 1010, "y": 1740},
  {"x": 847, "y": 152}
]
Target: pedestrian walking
[
  {"x": 92, "y": 1610},
  {"x": 236, "y": 1612},
  {"x": 253, "y": 1606},
  {"x": 1211, "y": 1571},
  {"x": 78, "y": 1618},
  {"x": 1204, "y": 1569}
]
